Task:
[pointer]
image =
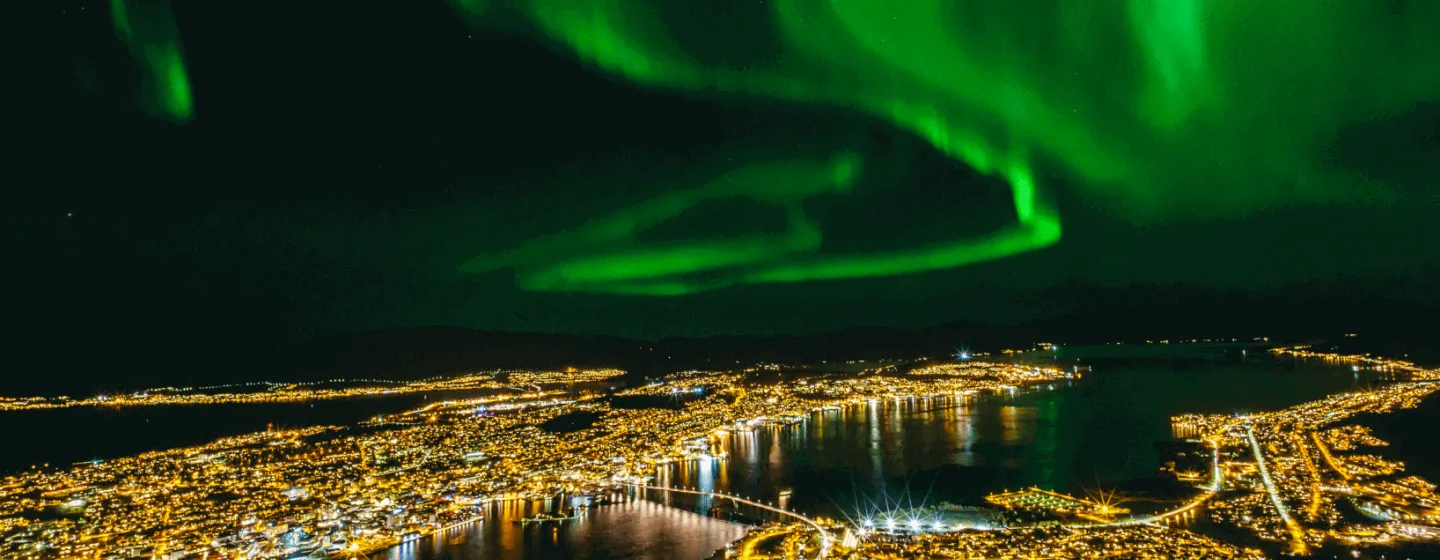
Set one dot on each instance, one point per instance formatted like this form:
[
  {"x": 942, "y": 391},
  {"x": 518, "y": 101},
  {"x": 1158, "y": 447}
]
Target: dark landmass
[
  {"x": 85, "y": 363},
  {"x": 1416, "y": 448},
  {"x": 637, "y": 402},
  {"x": 571, "y": 422}
]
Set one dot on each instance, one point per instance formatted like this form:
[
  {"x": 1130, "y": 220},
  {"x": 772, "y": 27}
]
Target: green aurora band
[
  {"x": 1165, "y": 110},
  {"x": 147, "y": 28},
  {"x": 603, "y": 256},
  {"x": 1157, "y": 110}
]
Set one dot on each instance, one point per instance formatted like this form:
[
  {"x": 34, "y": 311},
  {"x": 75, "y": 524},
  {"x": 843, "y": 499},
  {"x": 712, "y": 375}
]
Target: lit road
[
  {"x": 824, "y": 535},
  {"x": 1329, "y": 459},
  {"x": 1297, "y": 543},
  {"x": 1315, "y": 494},
  {"x": 1217, "y": 477}
]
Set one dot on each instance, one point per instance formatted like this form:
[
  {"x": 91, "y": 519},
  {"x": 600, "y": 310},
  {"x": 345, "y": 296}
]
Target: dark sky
[{"x": 343, "y": 160}]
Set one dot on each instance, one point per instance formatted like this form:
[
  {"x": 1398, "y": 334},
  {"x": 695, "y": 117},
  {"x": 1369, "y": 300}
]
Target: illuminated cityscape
[
  {"x": 1295, "y": 465},
  {"x": 275, "y": 493},
  {"x": 270, "y": 392},
  {"x": 744, "y": 279},
  {"x": 333, "y": 491}
]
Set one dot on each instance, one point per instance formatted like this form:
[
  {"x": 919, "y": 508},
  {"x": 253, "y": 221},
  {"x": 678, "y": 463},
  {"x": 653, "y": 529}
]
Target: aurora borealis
[
  {"x": 677, "y": 168},
  {"x": 1112, "y": 94},
  {"x": 148, "y": 29},
  {"x": 696, "y": 217},
  {"x": 600, "y": 267}
]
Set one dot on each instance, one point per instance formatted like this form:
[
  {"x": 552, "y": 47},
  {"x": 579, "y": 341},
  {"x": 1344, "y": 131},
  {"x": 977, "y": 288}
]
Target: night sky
[{"x": 315, "y": 168}]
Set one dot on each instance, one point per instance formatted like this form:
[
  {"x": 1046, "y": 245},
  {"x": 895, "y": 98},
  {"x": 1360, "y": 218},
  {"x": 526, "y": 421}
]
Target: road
[{"x": 1297, "y": 536}]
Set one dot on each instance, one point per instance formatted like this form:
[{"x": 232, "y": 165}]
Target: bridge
[
  {"x": 824, "y": 535},
  {"x": 1209, "y": 491}
]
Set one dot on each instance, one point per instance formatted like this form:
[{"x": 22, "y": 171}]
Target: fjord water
[
  {"x": 1070, "y": 436},
  {"x": 632, "y": 529},
  {"x": 71, "y": 435}
]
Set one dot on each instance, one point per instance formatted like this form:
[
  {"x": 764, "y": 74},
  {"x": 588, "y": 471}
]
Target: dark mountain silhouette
[{"x": 80, "y": 364}]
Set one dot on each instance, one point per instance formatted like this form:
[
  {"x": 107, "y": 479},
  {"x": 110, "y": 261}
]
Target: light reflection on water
[
  {"x": 1072, "y": 436},
  {"x": 1076, "y": 435},
  {"x": 839, "y": 459},
  {"x": 631, "y": 529}
]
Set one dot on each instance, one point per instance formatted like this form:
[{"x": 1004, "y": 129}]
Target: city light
[
  {"x": 280, "y": 392},
  {"x": 331, "y": 490},
  {"x": 334, "y": 491}
]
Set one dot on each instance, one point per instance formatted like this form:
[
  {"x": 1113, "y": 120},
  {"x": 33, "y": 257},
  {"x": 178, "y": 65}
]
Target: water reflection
[
  {"x": 896, "y": 448},
  {"x": 631, "y": 529},
  {"x": 907, "y": 451},
  {"x": 1074, "y": 437}
]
